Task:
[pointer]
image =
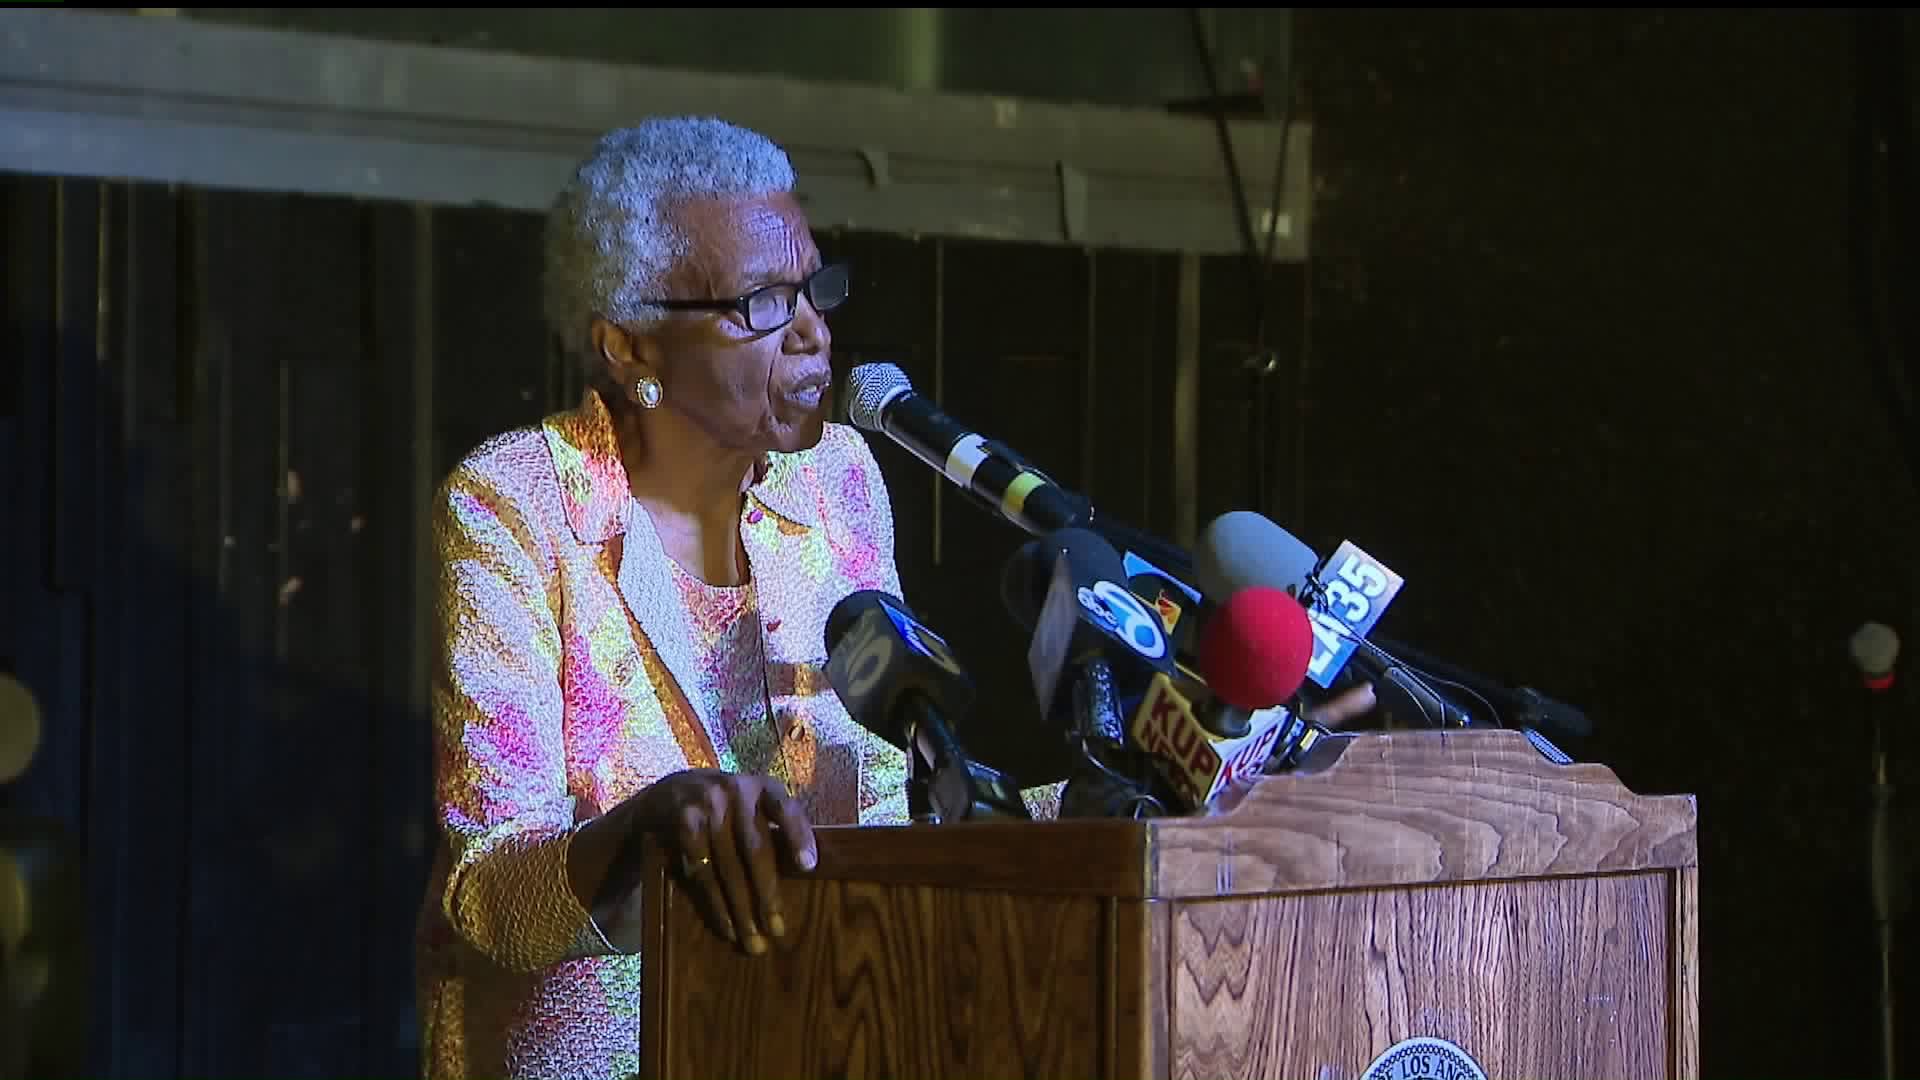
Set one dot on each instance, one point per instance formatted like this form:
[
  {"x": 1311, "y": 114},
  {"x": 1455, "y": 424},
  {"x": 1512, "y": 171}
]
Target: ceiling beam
[{"x": 176, "y": 100}]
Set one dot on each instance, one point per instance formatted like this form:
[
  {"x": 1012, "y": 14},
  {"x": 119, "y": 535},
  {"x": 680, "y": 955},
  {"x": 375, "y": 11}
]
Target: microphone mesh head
[
  {"x": 1875, "y": 647},
  {"x": 872, "y": 386}
]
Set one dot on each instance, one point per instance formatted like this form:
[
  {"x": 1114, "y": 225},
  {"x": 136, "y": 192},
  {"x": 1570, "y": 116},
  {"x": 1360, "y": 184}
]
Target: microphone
[
  {"x": 900, "y": 681},
  {"x": 1255, "y": 649},
  {"x": 1875, "y": 648},
  {"x": 1027, "y": 573},
  {"x": 1240, "y": 548},
  {"x": 1094, "y": 642},
  {"x": 44, "y": 939},
  {"x": 19, "y": 728},
  {"x": 999, "y": 479},
  {"x": 1344, "y": 597},
  {"x": 883, "y": 401},
  {"x": 1254, "y": 655},
  {"x": 1087, "y": 615},
  {"x": 1247, "y": 548}
]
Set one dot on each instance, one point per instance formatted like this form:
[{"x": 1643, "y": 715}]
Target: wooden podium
[{"x": 1539, "y": 918}]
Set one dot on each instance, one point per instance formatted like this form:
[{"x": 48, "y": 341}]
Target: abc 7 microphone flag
[{"x": 1127, "y": 616}]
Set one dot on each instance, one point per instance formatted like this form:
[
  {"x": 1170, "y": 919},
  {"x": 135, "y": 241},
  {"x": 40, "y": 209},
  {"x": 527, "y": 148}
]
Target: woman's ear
[
  {"x": 624, "y": 356},
  {"x": 613, "y": 348}
]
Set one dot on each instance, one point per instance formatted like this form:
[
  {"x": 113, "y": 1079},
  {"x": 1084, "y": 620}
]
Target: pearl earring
[{"x": 647, "y": 391}]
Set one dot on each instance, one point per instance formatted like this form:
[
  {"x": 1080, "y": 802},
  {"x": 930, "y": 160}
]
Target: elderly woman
[{"x": 633, "y": 597}]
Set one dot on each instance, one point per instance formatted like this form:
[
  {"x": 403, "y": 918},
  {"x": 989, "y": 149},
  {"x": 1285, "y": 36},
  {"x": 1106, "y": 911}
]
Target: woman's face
[{"x": 749, "y": 390}]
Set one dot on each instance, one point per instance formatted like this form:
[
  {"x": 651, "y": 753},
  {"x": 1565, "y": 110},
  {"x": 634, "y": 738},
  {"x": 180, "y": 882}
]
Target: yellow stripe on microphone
[{"x": 1013, "y": 503}]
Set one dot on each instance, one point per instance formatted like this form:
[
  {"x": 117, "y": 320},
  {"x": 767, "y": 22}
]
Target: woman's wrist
[{"x": 603, "y": 869}]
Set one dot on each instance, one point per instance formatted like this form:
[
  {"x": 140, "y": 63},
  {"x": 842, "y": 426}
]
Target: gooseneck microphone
[{"x": 884, "y": 402}]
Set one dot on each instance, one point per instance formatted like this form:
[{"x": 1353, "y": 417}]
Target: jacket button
[
  {"x": 773, "y": 625},
  {"x": 754, "y": 515}
]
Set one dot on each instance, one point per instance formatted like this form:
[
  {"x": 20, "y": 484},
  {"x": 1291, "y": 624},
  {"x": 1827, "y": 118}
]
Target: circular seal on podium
[{"x": 1424, "y": 1059}]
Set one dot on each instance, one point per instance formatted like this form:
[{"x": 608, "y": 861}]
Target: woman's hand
[
  {"x": 728, "y": 831},
  {"x": 1348, "y": 706}
]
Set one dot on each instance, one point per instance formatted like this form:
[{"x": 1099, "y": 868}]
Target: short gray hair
[{"x": 610, "y": 241}]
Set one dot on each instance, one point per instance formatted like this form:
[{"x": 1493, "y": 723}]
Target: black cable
[
  {"x": 1214, "y": 107},
  {"x": 1260, "y": 260}
]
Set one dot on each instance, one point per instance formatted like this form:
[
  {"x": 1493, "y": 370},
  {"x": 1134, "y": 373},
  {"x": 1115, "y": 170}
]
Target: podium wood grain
[
  {"x": 1542, "y": 979},
  {"x": 896, "y": 981},
  {"x": 1455, "y": 885}
]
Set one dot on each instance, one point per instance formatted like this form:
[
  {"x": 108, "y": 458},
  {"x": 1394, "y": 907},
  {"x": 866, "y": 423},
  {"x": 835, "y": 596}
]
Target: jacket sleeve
[
  {"x": 883, "y": 768},
  {"x": 500, "y": 780}
]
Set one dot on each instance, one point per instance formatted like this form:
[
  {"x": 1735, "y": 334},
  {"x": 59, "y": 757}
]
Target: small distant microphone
[
  {"x": 1875, "y": 648},
  {"x": 19, "y": 728},
  {"x": 884, "y": 402}
]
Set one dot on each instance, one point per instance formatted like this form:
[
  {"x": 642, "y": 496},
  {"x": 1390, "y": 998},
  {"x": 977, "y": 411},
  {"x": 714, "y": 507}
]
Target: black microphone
[
  {"x": 1028, "y": 572},
  {"x": 1094, "y": 644},
  {"x": 883, "y": 401},
  {"x": 900, "y": 681}
]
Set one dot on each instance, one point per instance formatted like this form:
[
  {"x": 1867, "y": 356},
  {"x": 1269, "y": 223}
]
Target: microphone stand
[
  {"x": 1883, "y": 874},
  {"x": 1100, "y": 788},
  {"x": 943, "y": 784},
  {"x": 920, "y": 809},
  {"x": 1876, "y": 650},
  {"x": 923, "y": 772}
]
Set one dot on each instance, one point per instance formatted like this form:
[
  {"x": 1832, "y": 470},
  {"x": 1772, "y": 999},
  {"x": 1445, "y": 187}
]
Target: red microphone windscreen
[{"x": 1254, "y": 650}]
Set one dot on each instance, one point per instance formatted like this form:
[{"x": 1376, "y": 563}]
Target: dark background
[{"x": 1579, "y": 351}]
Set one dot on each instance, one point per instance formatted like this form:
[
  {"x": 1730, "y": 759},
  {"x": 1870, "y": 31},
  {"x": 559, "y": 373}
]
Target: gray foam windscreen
[{"x": 1240, "y": 549}]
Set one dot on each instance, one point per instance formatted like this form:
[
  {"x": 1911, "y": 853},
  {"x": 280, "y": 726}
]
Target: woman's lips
[{"x": 809, "y": 391}]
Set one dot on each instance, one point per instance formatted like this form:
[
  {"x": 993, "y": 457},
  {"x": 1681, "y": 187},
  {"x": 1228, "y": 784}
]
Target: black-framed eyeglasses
[{"x": 771, "y": 307}]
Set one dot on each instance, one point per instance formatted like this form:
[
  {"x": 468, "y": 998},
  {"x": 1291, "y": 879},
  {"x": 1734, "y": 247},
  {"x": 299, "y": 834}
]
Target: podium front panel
[
  {"x": 1550, "y": 979},
  {"x": 893, "y": 981}
]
